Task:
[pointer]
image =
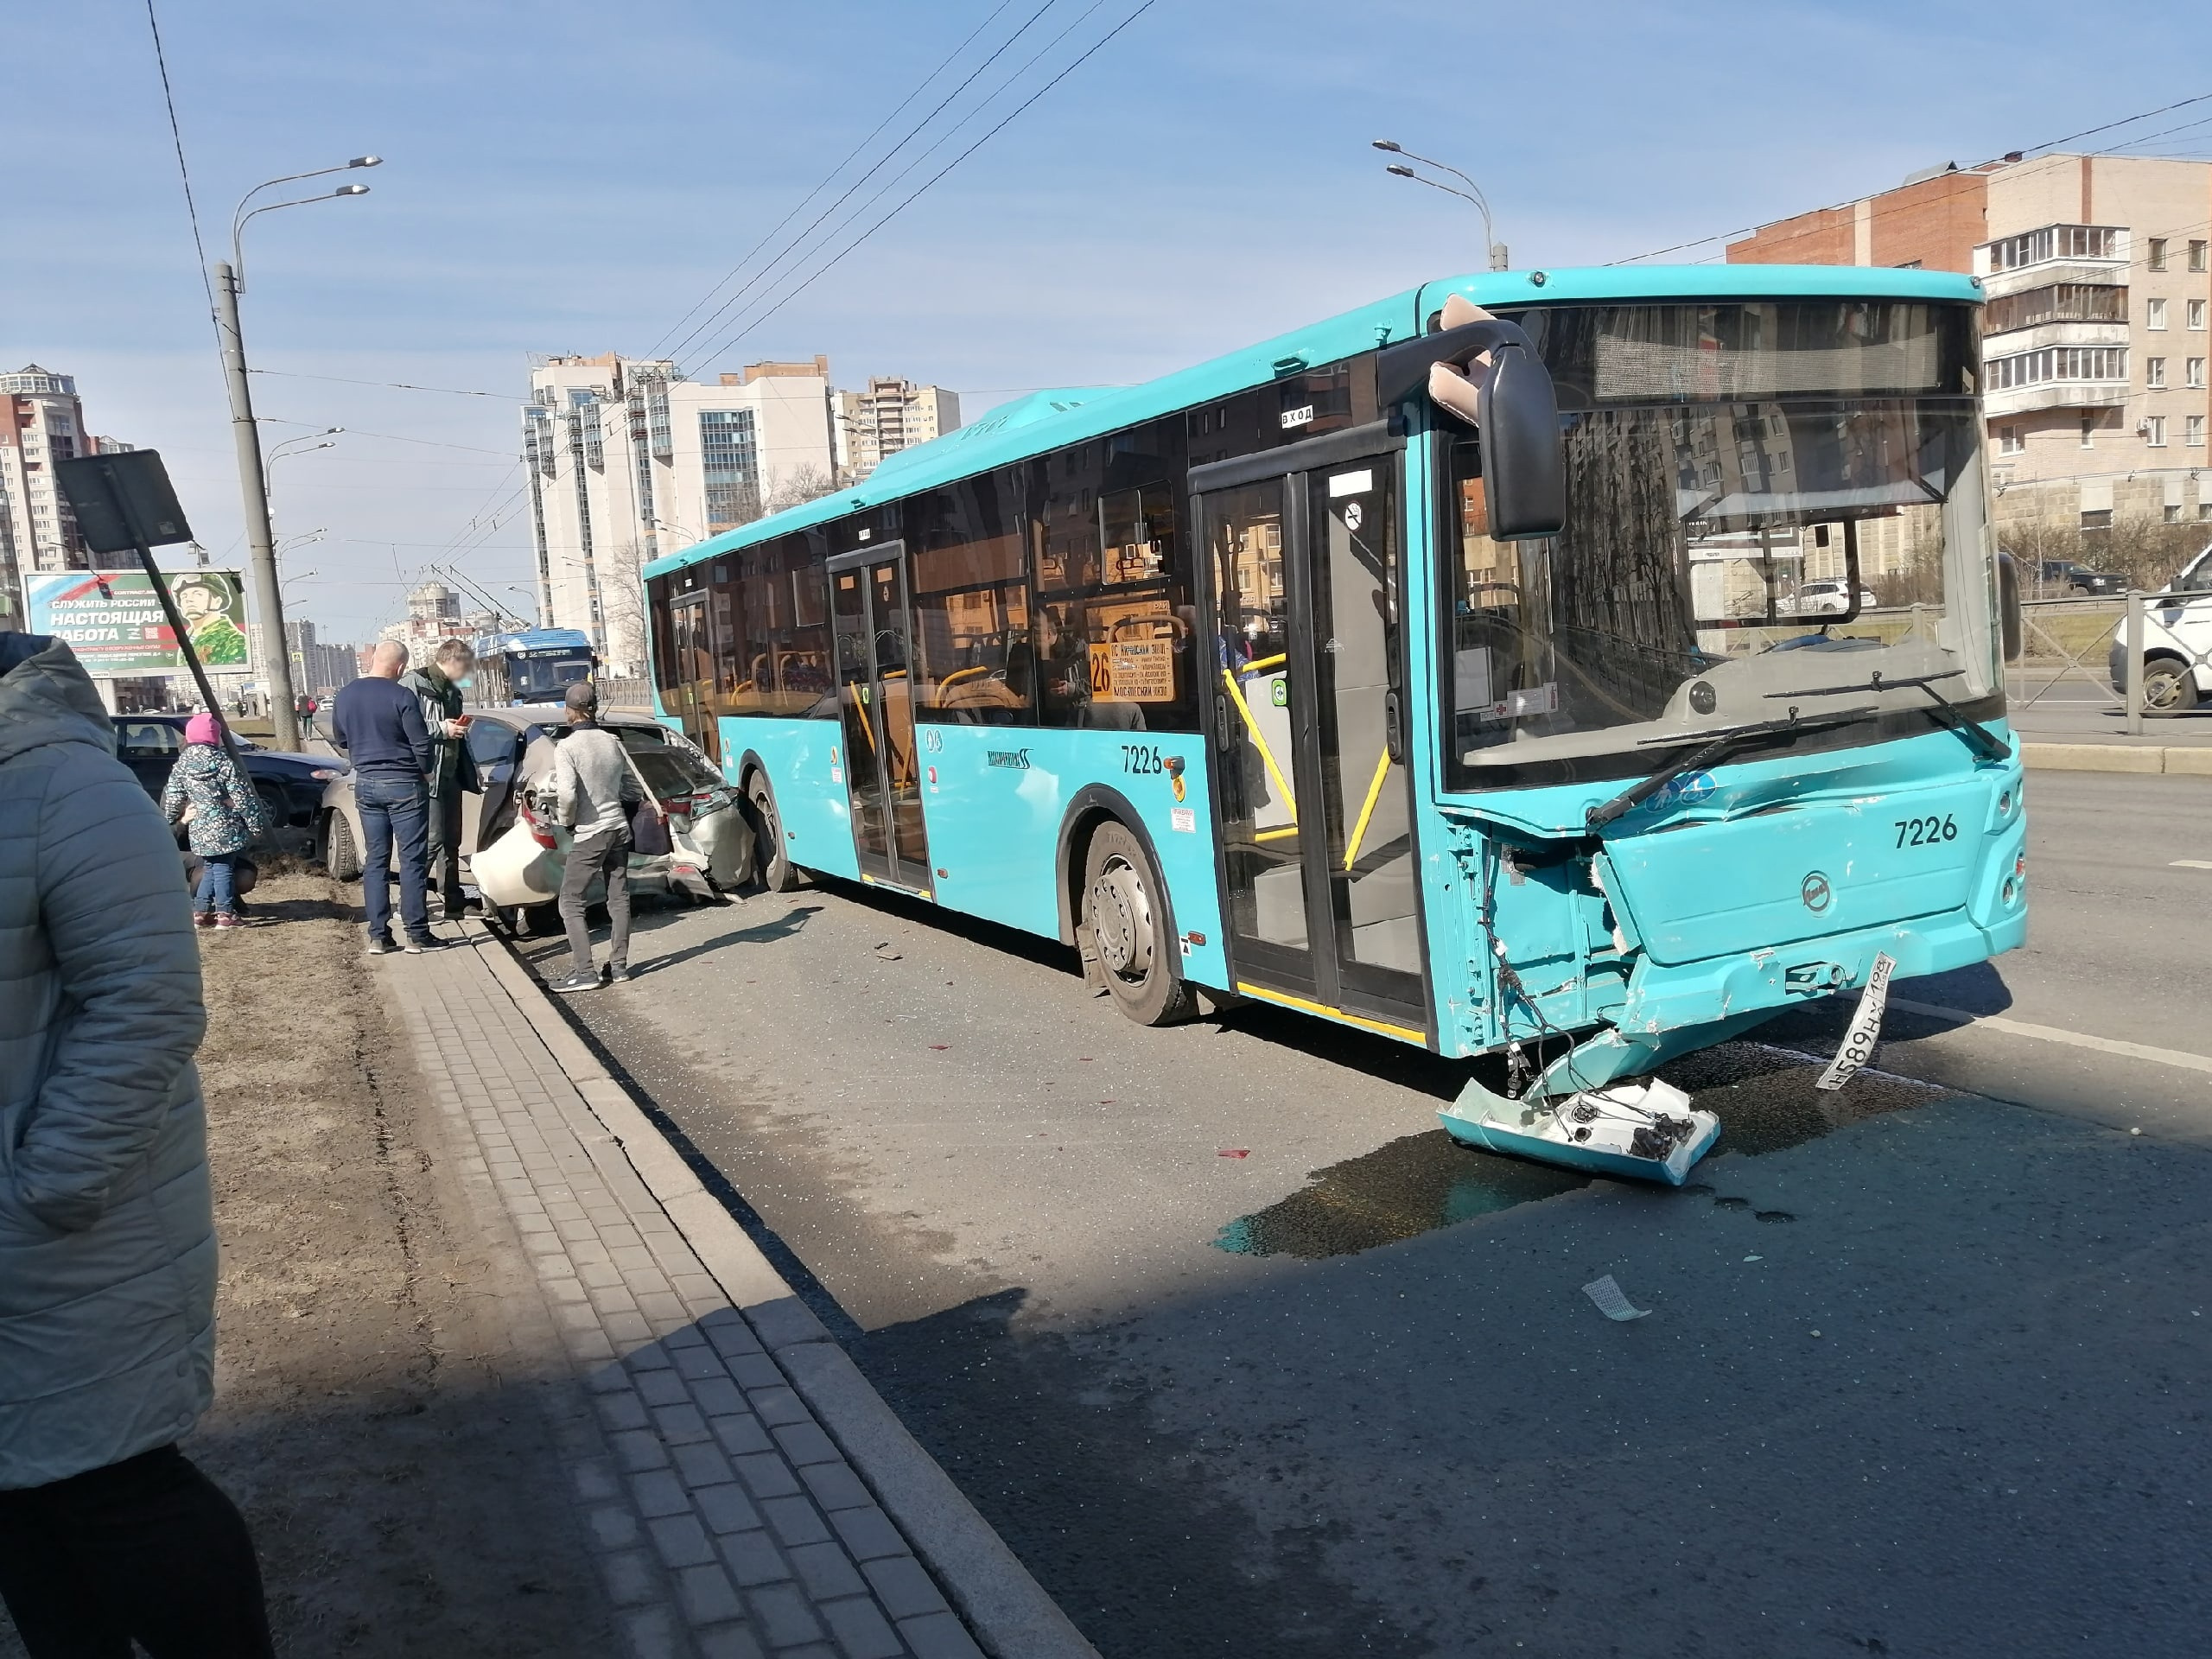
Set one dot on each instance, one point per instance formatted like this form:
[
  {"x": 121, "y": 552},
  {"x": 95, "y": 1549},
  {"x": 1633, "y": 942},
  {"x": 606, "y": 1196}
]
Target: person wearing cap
[
  {"x": 227, "y": 816},
  {"x": 594, "y": 787}
]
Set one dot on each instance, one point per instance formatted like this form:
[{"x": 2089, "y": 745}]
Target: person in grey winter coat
[
  {"x": 227, "y": 816},
  {"x": 107, "y": 1246}
]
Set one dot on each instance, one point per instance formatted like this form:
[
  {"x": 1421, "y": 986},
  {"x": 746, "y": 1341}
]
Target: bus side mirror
[
  {"x": 2008, "y": 606},
  {"x": 1510, "y": 401},
  {"x": 1524, "y": 464}
]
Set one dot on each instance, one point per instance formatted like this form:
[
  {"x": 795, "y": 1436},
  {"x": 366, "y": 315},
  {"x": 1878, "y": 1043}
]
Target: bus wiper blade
[
  {"x": 1712, "y": 746},
  {"x": 1944, "y": 713},
  {"x": 1876, "y": 682}
]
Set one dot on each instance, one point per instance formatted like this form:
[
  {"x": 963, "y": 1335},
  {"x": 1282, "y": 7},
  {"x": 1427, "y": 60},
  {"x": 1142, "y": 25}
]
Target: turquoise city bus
[{"x": 1440, "y": 669}]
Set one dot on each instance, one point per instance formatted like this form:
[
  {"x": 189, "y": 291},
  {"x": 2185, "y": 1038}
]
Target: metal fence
[
  {"x": 2069, "y": 642},
  {"x": 626, "y": 693}
]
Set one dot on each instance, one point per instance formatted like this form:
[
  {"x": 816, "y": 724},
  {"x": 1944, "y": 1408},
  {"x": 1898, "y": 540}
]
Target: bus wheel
[
  {"x": 776, "y": 871},
  {"x": 1122, "y": 914}
]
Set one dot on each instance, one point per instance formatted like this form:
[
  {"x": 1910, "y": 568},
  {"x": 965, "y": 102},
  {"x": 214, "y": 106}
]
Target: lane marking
[
  {"x": 2053, "y": 1035},
  {"x": 2190, "y": 864}
]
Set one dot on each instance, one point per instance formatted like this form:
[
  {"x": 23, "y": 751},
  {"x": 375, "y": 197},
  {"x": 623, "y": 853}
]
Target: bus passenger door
[
  {"x": 695, "y": 660},
  {"x": 867, "y": 604},
  {"x": 1315, "y": 799}
]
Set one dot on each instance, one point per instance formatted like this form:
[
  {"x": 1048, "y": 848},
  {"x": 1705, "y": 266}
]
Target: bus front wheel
[
  {"x": 778, "y": 874},
  {"x": 1125, "y": 926}
]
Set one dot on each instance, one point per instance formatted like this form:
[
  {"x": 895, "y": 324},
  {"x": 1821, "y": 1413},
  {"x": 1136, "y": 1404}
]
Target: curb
[
  {"x": 2112, "y": 757},
  {"x": 1004, "y": 1607}
]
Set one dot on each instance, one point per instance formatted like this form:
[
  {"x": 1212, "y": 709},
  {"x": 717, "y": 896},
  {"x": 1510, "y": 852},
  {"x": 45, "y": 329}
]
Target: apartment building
[
  {"x": 890, "y": 415},
  {"x": 2094, "y": 335},
  {"x": 627, "y": 459},
  {"x": 319, "y": 668},
  {"x": 40, "y": 421}
]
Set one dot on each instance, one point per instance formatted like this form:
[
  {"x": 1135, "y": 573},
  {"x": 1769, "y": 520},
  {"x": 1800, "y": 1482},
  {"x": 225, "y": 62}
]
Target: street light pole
[
  {"x": 1493, "y": 250},
  {"x": 253, "y": 475},
  {"x": 253, "y": 490}
]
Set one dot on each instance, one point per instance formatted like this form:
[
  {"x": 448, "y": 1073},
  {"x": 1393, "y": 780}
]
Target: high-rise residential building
[
  {"x": 319, "y": 669},
  {"x": 627, "y": 461},
  {"x": 40, "y": 421},
  {"x": 890, "y": 415},
  {"x": 2095, "y": 334}
]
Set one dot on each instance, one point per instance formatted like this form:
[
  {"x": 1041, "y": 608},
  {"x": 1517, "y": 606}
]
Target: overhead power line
[
  {"x": 2031, "y": 149},
  {"x": 910, "y": 134},
  {"x": 830, "y": 176},
  {"x": 176, "y": 135},
  {"x": 829, "y": 264}
]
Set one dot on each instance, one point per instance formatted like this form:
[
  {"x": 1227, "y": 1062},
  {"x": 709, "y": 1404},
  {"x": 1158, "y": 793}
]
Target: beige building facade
[
  {"x": 41, "y": 422},
  {"x": 627, "y": 461},
  {"x": 888, "y": 416},
  {"x": 2095, "y": 339}
]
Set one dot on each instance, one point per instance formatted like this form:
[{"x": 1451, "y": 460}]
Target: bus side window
[
  {"x": 1114, "y": 641},
  {"x": 974, "y": 658}
]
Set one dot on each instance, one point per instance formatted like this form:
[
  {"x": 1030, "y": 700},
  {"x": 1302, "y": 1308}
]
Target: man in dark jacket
[
  {"x": 107, "y": 1241},
  {"x": 377, "y": 723},
  {"x": 437, "y": 685}
]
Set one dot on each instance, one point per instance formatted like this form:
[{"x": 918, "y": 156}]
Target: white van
[{"x": 2176, "y": 643}]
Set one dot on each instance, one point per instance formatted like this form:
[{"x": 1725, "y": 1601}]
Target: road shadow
[
  {"x": 1076, "y": 1477},
  {"x": 780, "y": 926}
]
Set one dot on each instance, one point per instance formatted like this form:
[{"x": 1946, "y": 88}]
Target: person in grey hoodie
[
  {"x": 595, "y": 788},
  {"x": 107, "y": 1241}
]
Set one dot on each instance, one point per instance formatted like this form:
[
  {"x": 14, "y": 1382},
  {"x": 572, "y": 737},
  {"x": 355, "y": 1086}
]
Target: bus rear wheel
[
  {"x": 1124, "y": 923},
  {"x": 778, "y": 874}
]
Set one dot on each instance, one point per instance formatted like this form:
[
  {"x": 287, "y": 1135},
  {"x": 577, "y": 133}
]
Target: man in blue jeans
[{"x": 378, "y": 725}]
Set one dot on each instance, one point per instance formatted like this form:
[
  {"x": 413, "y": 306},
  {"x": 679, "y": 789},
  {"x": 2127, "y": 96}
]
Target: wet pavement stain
[
  {"x": 1763, "y": 1095},
  {"x": 1400, "y": 1190}
]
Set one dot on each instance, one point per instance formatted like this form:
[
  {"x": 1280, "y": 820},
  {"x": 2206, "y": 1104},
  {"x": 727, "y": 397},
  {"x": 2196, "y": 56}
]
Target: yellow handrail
[
  {"x": 1367, "y": 811},
  {"x": 1267, "y": 756},
  {"x": 1264, "y": 663}
]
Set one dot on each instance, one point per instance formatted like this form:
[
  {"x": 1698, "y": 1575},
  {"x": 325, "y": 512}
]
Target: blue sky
[{"x": 564, "y": 176}]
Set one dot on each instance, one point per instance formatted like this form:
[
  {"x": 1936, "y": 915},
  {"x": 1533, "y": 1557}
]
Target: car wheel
[
  {"x": 273, "y": 802},
  {"x": 778, "y": 874},
  {"x": 2169, "y": 686},
  {"x": 1125, "y": 925},
  {"x": 338, "y": 852}
]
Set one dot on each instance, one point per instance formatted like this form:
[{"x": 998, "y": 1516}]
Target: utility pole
[{"x": 253, "y": 489}]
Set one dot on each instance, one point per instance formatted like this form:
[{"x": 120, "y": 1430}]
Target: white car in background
[
  {"x": 514, "y": 852},
  {"x": 2176, "y": 643},
  {"x": 1826, "y": 598}
]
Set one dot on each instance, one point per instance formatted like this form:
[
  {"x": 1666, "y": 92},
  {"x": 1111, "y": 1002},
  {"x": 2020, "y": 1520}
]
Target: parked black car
[
  {"x": 290, "y": 786},
  {"x": 2072, "y": 576}
]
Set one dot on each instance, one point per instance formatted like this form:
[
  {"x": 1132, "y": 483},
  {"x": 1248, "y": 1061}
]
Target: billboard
[{"x": 113, "y": 621}]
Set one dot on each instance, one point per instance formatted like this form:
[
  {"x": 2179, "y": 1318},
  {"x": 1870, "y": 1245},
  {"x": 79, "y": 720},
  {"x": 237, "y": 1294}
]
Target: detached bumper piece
[{"x": 1638, "y": 1129}]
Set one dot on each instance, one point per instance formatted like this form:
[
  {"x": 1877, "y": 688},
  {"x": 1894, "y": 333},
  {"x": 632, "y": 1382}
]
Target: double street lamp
[
  {"x": 1494, "y": 248},
  {"x": 253, "y": 472}
]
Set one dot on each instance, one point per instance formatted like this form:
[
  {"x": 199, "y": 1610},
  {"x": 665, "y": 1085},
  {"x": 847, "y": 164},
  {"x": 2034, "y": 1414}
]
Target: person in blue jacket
[{"x": 108, "y": 1533}]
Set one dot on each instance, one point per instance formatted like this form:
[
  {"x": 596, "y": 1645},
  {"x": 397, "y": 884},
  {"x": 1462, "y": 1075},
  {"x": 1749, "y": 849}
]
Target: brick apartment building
[{"x": 2095, "y": 337}]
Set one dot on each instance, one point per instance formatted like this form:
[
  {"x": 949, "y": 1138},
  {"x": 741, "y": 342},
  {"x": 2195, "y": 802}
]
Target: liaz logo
[
  {"x": 1816, "y": 892},
  {"x": 1016, "y": 759}
]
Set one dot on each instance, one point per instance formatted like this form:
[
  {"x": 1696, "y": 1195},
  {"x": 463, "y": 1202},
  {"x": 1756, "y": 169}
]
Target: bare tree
[{"x": 799, "y": 486}]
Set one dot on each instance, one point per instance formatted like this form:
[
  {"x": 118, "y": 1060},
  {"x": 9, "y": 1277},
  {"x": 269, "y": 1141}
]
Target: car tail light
[{"x": 538, "y": 832}]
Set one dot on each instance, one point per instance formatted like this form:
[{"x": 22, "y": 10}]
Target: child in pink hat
[{"x": 226, "y": 816}]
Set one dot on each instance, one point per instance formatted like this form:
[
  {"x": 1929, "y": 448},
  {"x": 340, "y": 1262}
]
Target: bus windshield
[
  {"x": 546, "y": 675},
  {"x": 1766, "y": 502}
]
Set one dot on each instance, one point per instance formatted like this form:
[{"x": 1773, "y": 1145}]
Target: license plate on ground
[{"x": 1865, "y": 1027}]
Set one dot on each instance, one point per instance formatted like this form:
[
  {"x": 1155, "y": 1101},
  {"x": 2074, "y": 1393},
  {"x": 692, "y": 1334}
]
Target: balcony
[
  {"x": 2093, "y": 254},
  {"x": 2056, "y": 394}
]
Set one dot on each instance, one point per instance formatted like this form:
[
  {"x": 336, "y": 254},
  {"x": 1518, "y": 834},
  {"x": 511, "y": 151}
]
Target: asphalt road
[{"x": 1244, "y": 1358}]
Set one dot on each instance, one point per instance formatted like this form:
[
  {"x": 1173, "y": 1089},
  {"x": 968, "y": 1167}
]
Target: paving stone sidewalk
[{"x": 725, "y": 1521}]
